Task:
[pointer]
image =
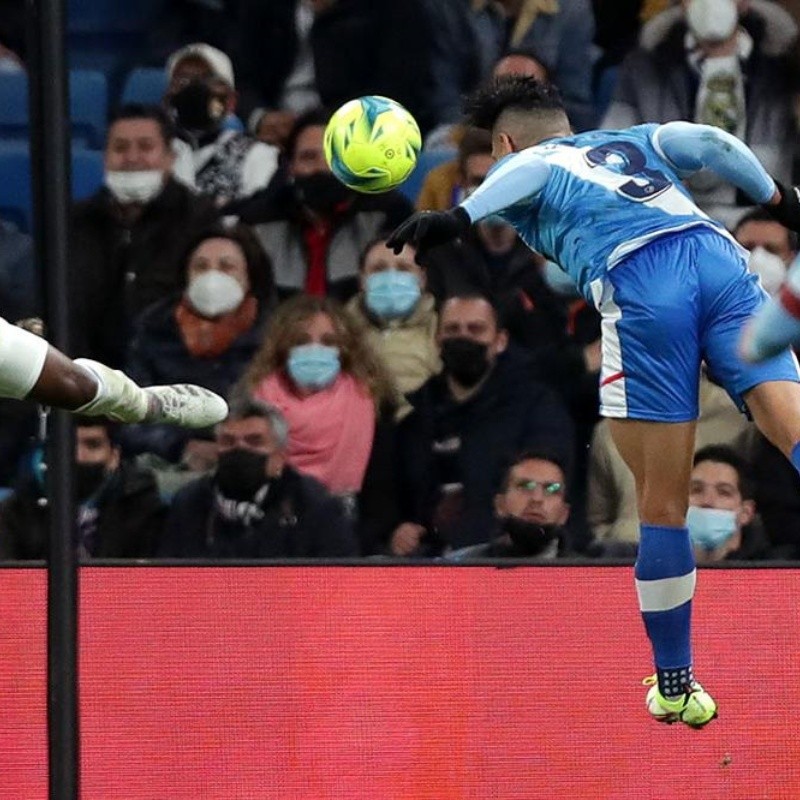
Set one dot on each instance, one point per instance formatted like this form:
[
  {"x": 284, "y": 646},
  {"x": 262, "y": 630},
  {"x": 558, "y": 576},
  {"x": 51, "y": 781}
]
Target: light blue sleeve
[
  {"x": 689, "y": 148},
  {"x": 512, "y": 179}
]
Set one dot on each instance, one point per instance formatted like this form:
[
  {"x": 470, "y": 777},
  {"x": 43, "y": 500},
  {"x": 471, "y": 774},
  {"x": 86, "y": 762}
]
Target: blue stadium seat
[
  {"x": 144, "y": 85},
  {"x": 16, "y": 193},
  {"x": 88, "y": 106},
  {"x": 111, "y": 16},
  {"x": 425, "y": 163}
]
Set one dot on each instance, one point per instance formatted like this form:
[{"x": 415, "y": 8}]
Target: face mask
[
  {"x": 213, "y": 293},
  {"x": 391, "y": 294},
  {"x": 712, "y": 20},
  {"x": 710, "y": 527},
  {"x": 88, "y": 479},
  {"x": 197, "y": 110},
  {"x": 769, "y": 268},
  {"x": 465, "y": 360},
  {"x": 529, "y": 537},
  {"x": 313, "y": 366},
  {"x": 321, "y": 191},
  {"x": 558, "y": 280},
  {"x": 137, "y": 186},
  {"x": 241, "y": 473}
]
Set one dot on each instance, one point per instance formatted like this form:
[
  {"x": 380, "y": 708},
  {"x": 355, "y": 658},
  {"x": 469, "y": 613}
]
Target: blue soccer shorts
[{"x": 680, "y": 300}]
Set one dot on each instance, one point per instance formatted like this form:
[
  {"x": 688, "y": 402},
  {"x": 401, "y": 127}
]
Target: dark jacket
[
  {"x": 278, "y": 222},
  {"x": 158, "y": 355},
  {"x": 130, "y": 516},
  {"x": 298, "y": 519},
  {"x": 512, "y": 412},
  {"x": 118, "y": 270},
  {"x": 359, "y": 47}
]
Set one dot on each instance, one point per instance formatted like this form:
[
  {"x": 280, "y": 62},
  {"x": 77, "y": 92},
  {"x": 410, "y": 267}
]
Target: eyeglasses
[{"x": 550, "y": 488}]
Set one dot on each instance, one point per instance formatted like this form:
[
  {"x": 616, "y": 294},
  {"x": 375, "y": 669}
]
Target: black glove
[
  {"x": 787, "y": 211},
  {"x": 428, "y": 229}
]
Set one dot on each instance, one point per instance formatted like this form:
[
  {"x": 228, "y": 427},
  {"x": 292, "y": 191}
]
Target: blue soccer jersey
[{"x": 594, "y": 198}]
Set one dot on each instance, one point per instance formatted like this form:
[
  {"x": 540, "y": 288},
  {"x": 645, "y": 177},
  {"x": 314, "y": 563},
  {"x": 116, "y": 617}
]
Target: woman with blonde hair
[{"x": 315, "y": 365}]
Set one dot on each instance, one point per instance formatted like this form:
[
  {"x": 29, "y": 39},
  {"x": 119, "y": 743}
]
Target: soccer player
[
  {"x": 30, "y": 368},
  {"x": 673, "y": 289}
]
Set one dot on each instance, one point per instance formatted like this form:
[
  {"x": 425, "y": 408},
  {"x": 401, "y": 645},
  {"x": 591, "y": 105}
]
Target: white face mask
[
  {"x": 712, "y": 20},
  {"x": 769, "y": 268},
  {"x": 137, "y": 186},
  {"x": 214, "y": 293}
]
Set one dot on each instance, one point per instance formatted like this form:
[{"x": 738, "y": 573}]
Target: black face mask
[
  {"x": 88, "y": 479},
  {"x": 467, "y": 361},
  {"x": 322, "y": 192},
  {"x": 529, "y": 537},
  {"x": 241, "y": 473},
  {"x": 198, "y": 110}
]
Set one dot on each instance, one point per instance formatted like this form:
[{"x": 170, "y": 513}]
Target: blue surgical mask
[
  {"x": 709, "y": 528},
  {"x": 559, "y": 281},
  {"x": 313, "y": 366},
  {"x": 391, "y": 294}
]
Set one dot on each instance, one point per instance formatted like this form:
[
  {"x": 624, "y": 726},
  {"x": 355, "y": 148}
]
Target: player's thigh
[
  {"x": 659, "y": 454},
  {"x": 650, "y": 335},
  {"x": 775, "y": 408},
  {"x": 731, "y": 295},
  {"x": 22, "y": 357}
]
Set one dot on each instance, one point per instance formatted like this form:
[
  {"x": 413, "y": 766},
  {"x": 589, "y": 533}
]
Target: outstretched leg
[
  {"x": 30, "y": 368},
  {"x": 659, "y": 454}
]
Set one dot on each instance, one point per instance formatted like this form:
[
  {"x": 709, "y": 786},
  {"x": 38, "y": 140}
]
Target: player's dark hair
[
  {"x": 722, "y": 454},
  {"x": 145, "y": 111},
  {"x": 760, "y": 215},
  {"x": 511, "y": 93}
]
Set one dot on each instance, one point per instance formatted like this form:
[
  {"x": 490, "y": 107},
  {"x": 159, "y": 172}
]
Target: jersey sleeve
[
  {"x": 514, "y": 178},
  {"x": 689, "y": 147}
]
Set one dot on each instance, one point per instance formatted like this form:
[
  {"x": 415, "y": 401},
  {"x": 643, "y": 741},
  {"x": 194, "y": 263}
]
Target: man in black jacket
[
  {"x": 126, "y": 240},
  {"x": 467, "y": 422},
  {"x": 120, "y": 513},
  {"x": 255, "y": 505}
]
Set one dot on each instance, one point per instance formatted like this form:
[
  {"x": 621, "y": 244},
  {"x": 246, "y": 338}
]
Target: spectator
[
  {"x": 531, "y": 513},
  {"x": 256, "y": 505},
  {"x": 772, "y": 247},
  {"x": 207, "y": 332},
  {"x": 297, "y": 54},
  {"x": 560, "y": 32},
  {"x": 397, "y": 315},
  {"x": 722, "y": 517},
  {"x": 339, "y": 401},
  {"x": 119, "y": 510},
  {"x": 720, "y": 67},
  {"x": 313, "y": 227},
  {"x": 466, "y": 422},
  {"x": 220, "y": 163},
  {"x": 126, "y": 240}
]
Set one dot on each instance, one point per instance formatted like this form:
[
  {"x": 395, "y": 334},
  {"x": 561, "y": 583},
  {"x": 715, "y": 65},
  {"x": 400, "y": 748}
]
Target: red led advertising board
[{"x": 432, "y": 683}]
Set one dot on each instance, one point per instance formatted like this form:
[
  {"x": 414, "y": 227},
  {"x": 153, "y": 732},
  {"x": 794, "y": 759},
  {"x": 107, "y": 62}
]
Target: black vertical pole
[{"x": 51, "y": 161}]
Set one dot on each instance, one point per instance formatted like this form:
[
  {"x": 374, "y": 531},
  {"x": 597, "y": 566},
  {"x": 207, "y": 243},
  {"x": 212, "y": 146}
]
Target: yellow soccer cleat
[{"x": 695, "y": 708}]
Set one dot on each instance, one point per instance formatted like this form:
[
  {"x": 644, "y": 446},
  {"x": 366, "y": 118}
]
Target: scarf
[
  {"x": 210, "y": 338},
  {"x": 330, "y": 431}
]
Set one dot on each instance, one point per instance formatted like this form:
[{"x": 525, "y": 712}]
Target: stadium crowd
[{"x": 384, "y": 407}]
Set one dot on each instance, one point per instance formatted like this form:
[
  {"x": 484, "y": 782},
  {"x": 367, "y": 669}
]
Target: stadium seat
[
  {"x": 88, "y": 106},
  {"x": 110, "y": 16},
  {"x": 425, "y": 163},
  {"x": 16, "y": 192},
  {"x": 144, "y": 85}
]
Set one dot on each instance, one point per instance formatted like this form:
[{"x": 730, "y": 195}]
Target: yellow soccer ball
[{"x": 372, "y": 144}]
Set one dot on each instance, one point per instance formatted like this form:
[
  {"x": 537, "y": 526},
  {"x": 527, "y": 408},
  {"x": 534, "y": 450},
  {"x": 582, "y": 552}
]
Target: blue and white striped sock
[{"x": 665, "y": 579}]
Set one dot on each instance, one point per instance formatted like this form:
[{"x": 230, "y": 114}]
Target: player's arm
[
  {"x": 515, "y": 178},
  {"x": 689, "y": 147}
]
